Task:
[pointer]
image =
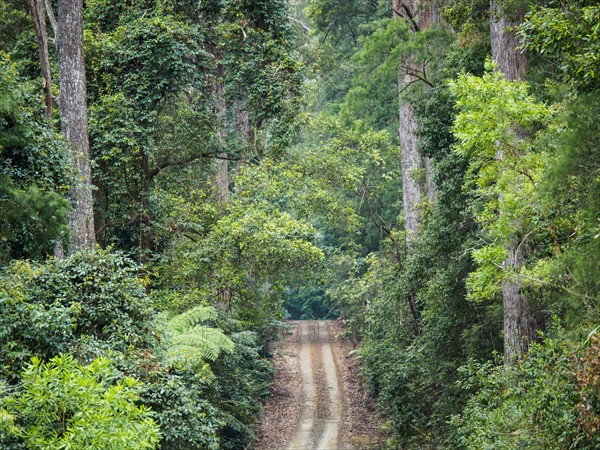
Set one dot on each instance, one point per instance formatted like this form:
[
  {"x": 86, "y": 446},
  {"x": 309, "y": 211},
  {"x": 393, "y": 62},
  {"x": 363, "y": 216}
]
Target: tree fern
[
  {"x": 192, "y": 317},
  {"x": 193, "y": 342}
]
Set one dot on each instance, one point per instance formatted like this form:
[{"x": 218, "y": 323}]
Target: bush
[
  {"x": 88, "y": 304},
  {"x": 65, "y": 405},
  {"x": 242, "y": 382},
  {"x": 545, "y": 402},
  {"x": 187, "y": 420}
]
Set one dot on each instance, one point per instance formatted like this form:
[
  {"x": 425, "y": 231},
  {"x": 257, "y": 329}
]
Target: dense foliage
[
  {"x": 513, "y": 161},
  {"x": 177, "y": 342},
  {"x": 247, "y": 168}
]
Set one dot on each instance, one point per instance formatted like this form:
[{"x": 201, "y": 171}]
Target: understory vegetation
[{"x": 249, "y": 165}]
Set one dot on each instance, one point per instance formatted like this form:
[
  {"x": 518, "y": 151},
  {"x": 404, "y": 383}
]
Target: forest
[{"x": 180, "y": 177}]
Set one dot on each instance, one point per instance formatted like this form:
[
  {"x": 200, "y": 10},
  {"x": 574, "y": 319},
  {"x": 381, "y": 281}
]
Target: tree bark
[
  {"x": 522, "y": 317},
  {"x": 413, "y": 189},
  {"x": 74, "y": 123},
  {"x": 417, "y": 171},
  {"x": 512, "y": 63}
]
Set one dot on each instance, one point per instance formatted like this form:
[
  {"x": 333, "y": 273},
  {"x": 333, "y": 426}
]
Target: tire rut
[
  {"x": 321, "y": 417},
  {"x": 318, "y": 401}
]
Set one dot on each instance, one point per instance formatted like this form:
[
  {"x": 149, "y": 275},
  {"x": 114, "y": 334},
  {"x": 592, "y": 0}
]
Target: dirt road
[
  {"x": 318, "y": 403},
  {"x": 322, "y": 404}
]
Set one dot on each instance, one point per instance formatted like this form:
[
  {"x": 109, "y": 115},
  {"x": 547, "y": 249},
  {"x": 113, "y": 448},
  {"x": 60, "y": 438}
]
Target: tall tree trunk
[
  {"x": 413, "y": 188},
  {"x": 74, "y": 124},
  {"x": 417, "y": 172},
  {"x": 221, "y": 179},
  {"x": 512, "y": 63},
  {"x": 522, "y": 317},
  {"x": 146, "y": 246}
]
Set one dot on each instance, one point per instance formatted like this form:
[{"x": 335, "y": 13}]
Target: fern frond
[
  {"x": 194, "y": 342},
  {"x": 183, "y": 357},
  {"x": 194, "y": 316},
  {"x": 208, "y": 342}
]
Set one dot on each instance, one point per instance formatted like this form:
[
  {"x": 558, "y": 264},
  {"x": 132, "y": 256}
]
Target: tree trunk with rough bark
[
  {"x": 74, "y": 124},
  {"x": 522, "y": 316},
  {"x": 417, "y": 171},
  {"x": 413, "y": 188},
  {"x": 512, "y": 62}
]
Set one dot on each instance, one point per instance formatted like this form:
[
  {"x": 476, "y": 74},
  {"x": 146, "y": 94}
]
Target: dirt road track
[
  {"x": 317, "y": 404},
  {"x": 322, "y": 405}
]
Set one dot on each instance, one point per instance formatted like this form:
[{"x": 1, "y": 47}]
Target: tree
[
  {"x": 74, "y": 123},
  {"x": 522, "y": 318},
  {"x": 38, "y": 14},
  {"x": 493, "y": 126},
  {"x": 417, "y": 171},
  {"x": 567, "y": 34}
]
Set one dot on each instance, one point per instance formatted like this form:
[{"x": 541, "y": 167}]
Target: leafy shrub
[
  {"x": 209, "y": 396},
  {"x": 242, "y": 381},
  {"x": 66, "y": 405},
  {"x": 32, "y": 164},
  {"x": 31, "y": 219},
  {"x": 187, "y": 420},
  {"x": 87, "y": 304},
  {"x": 538, "y": 404}
]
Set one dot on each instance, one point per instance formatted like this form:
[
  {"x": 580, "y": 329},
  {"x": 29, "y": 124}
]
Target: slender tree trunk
[
  {"x": 221, "y": 180},
  {"x": 145, "y": 237},
  {"x": 430, "y": 184},
  {"x": 522, "y": 317},
  {"x": 38, "y": 16},
  {"x": 73, "y": 112},
  {"x": 417, "y": 171}
]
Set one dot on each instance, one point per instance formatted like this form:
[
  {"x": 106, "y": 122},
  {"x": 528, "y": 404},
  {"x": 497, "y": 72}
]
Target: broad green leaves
[
  {"x": 64, "y": 405},
  {"x": 569, "y": 34},
  {"x": 495, "y": 128},
  {"x": 535, "y": 405}
]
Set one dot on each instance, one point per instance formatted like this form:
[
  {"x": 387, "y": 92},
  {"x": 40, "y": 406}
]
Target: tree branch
[
  {"x": 414, "y": 73},
  {"x": 299, "y": 22},
  {"x": 51, "y": 17},
  {"x": 409, "y": 16}
]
